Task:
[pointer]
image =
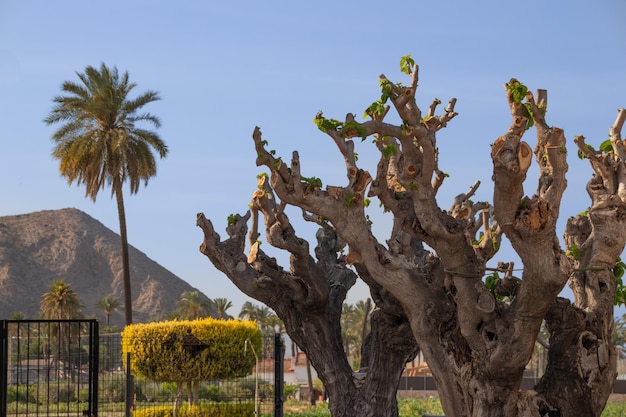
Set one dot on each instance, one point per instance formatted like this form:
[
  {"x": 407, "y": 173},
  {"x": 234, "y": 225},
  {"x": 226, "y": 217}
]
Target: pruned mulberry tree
[{"x": 429, "y": 279}]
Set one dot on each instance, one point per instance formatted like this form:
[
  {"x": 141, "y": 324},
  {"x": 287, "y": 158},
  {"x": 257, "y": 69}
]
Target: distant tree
[
  {"x": 362, "y": 310},
  {"x": 264, "y": 317},
  {"x": 221, "y": 307},
  {"x": 275, "y": 324},
  {"x": 248, "y": 310},
  {"x": 61, "y": 302},
  {"x": 348, "y": 335},
  {"x": 618, "y": 338},
  {"x": 109, "y": 304},
  {"x": 99, "y": 142},
  {"x": 194, "y": 305},
  {"x": 355, "y": 326},
  {"x": 17, "y": 315}
]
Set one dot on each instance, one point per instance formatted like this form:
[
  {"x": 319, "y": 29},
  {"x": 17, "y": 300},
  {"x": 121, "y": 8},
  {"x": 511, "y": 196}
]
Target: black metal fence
[
  {"x": 64, "y": 367},
  {"x": 49, "y": 367}
]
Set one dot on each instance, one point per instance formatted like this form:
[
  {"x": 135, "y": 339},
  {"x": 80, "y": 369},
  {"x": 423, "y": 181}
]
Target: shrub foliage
[{"x": 205, "y": 349}]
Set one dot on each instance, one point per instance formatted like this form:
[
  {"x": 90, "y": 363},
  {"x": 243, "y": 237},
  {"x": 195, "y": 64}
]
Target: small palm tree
[
  {"x": 61, "y": 302},
  {"x": 193, "y": 305},
  {"x": 108, "y": 305},
  {"x": 264, "y": 317},
  {"x": 348, "y": 334},
  {"x": 99, "y": 142},
  {"x": 248, "y": 310},
  {"x": 221, "y": 306},
  {"x": 355, "y": 326},
  {"x": 363, "y": 311},
  {"x": 618, "y": 337}
]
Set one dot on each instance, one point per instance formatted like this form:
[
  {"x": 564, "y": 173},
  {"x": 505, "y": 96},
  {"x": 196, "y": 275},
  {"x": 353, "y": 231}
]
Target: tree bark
[
  {"x": 317, "y": 287},
  {"x": 128, "y": 299}
]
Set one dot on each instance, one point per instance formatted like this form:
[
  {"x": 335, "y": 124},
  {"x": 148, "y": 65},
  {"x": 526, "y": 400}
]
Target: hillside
[{"x": 68, "y": 244}]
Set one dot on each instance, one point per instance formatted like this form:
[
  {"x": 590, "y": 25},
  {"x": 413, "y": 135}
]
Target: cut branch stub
[
  {"x": 353, "y": 257},
  {"x": 513, "y": 155},
  {"x": 254, "y": 250},
  {"x": 524, "y": 156},
  {"x": 615, "y": 133},
  {"x": 534, "y": 214},
  {"x": 360, "y": 181}
]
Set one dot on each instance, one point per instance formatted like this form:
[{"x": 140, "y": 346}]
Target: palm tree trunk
[
  {"x": 128, "y": 306},
  {"x": 310, "y": 380},
  {"x": 368, "y": 306}
]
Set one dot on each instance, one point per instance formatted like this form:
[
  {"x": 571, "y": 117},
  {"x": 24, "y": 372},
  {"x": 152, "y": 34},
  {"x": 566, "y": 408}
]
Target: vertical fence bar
[
  {"x": 4, "y": 366},
  {"x": 129, "y": 386},
  {"x": 28, "y": 368},
  {"x": 279, "y": 354},
  {"x": 32, "y": 333},
  {"x": 94, "y": 371},
  {"x": 60, "y": 374}
]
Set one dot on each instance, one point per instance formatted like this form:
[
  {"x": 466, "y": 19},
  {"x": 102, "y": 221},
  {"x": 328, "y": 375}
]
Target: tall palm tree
[
  {"x": 221, "y": 306},
  {"x": 109, "y": 304},
  {"x": 61, "y": 302},
  {"x": 99, "y": 143},
  {"x": 193, "y": 305}
]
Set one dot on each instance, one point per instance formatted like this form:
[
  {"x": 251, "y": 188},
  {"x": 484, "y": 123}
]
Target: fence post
[
  {"x": 279, "y": 353},
  {"x": 129, "y": 387},
  {"x": 4, "y": 367},
  {"x": 94, "y": 370}
]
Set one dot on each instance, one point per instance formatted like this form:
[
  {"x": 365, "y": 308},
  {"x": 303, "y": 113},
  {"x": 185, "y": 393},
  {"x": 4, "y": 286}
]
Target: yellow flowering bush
[{"x": 202, "y": 349}]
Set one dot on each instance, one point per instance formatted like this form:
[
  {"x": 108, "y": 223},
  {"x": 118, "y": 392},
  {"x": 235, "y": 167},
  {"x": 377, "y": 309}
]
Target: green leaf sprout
[
  {"x": 518, "y": 90},
  {"x": 406, "y": 64}
]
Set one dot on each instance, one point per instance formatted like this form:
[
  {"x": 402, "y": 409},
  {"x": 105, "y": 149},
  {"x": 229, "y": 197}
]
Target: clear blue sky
[{"x": 224, "y": 67}]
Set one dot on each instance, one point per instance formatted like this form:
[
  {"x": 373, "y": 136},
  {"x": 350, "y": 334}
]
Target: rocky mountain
[{"x": 68, "y": 244}]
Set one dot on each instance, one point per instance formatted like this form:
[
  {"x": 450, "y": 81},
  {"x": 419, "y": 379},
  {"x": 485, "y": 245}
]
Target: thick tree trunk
[
  {"x": 577, "y": 382},
  {"x": 371, "y": 392},
  {"x": 581, "y": 363},
  {"x": 309, "y": 301}
]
